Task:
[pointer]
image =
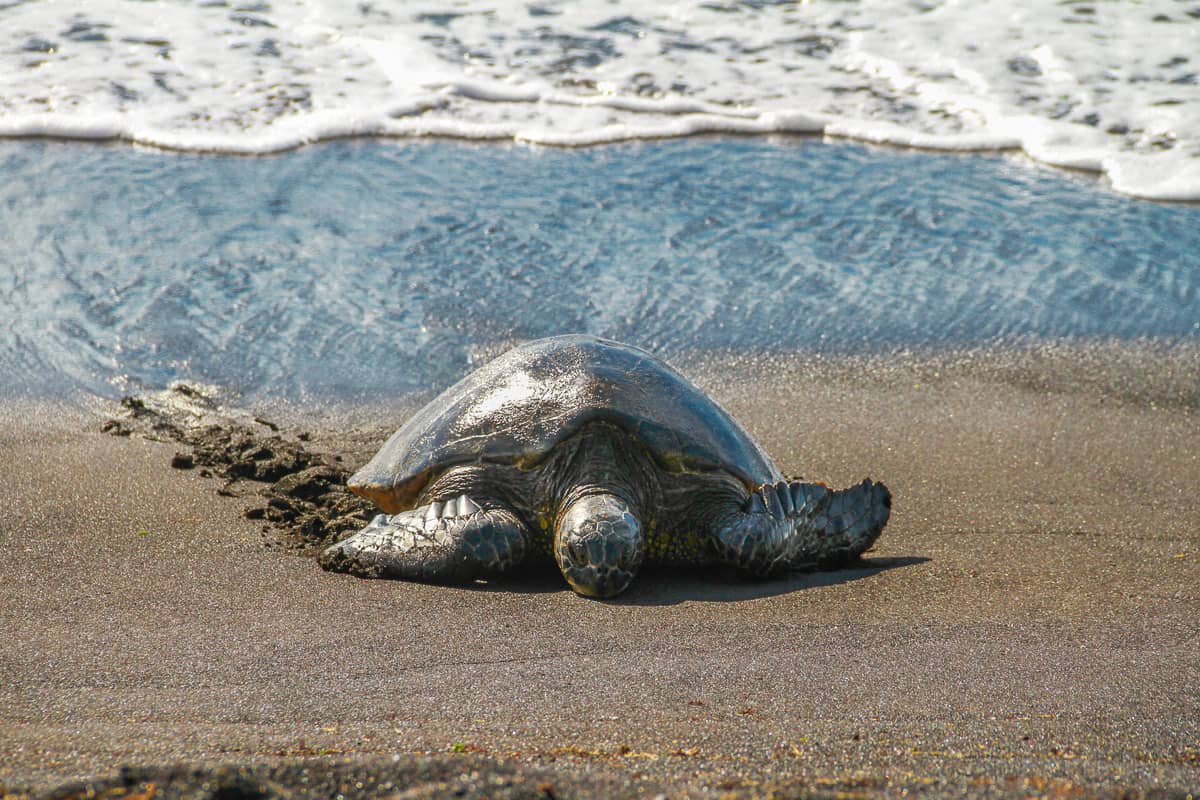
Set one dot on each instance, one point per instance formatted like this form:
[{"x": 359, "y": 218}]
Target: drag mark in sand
[{"x": 307, "y": 504}]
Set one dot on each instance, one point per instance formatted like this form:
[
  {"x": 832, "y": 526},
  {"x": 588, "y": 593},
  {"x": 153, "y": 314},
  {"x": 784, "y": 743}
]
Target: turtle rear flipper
[
  {"x": 446, "y": 542},
  {"x": 797, "y": 525}
]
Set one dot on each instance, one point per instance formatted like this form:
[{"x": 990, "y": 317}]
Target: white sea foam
[{"x": 1113, "y": 87}]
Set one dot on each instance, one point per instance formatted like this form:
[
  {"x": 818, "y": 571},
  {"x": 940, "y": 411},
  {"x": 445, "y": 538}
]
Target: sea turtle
[{"x": 602, "y": 455}]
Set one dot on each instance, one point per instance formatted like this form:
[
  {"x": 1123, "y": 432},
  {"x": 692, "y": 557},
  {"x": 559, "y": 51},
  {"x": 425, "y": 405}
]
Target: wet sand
[{"x": 1027, "y": 624}]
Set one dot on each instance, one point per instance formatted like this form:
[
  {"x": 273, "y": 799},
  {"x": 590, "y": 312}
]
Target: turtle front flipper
[
  {"x": 800, "y": 525},
  {"x": 446, "y": 542}
]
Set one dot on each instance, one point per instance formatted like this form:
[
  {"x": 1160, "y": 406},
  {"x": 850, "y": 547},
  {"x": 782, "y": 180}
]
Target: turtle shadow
[
  {"x": 665, "y": 586},
  {"x": 661, "y": 586},
  {"x": 544, "y": 578}
]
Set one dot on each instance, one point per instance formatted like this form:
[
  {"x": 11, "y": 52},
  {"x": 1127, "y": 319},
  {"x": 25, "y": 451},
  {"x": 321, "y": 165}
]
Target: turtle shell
[{"x": 515, "y": 409}]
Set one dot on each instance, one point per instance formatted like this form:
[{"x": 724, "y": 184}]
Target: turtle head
[{"x": 598, "y": 545}]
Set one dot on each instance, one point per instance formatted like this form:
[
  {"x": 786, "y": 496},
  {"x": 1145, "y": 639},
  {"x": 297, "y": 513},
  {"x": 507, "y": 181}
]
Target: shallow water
[{"x": 367, "y": 268}]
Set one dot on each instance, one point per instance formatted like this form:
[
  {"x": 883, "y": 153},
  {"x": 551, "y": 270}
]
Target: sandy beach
[{"x": 1027, "y": 624}]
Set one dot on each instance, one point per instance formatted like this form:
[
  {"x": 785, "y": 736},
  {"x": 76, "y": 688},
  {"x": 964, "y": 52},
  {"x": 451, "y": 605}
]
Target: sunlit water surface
[{"x": 371, "y": 268}]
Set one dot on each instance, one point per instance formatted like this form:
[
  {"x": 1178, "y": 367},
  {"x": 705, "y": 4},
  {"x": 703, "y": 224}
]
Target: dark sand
[{"x": 1027, "y": 624}]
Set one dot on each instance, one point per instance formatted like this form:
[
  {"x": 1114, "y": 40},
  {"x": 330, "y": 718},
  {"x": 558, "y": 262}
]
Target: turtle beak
[{"x": 598, "y": 545}]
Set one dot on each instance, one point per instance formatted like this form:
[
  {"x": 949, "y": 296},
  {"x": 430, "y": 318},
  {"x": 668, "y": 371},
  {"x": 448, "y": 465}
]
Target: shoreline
[
  {"x": 1158, "y": 372},
  {"x": 1024, "y": 624},
  {"x": 1097, "y": 174}
]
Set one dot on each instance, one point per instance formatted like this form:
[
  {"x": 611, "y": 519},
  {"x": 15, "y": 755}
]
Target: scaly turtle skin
[{"x": 603, "y": 456}]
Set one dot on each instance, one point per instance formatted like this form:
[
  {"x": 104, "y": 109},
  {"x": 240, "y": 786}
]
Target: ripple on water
[{"x": 377, "y": 267}]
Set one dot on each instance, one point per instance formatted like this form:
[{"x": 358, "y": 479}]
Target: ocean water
[
  {"x": 370, "y": 268},
  {"x": 313, "y": 199},
  {"x": 1111, "y": 87}
]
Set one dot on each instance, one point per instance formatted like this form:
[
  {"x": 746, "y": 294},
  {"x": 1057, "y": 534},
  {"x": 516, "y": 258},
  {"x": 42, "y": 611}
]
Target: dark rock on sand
[{"x": 406, "y": 777}]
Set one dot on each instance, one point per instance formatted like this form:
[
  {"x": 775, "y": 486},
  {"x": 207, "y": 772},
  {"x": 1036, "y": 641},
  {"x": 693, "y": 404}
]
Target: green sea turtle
[{"x": 603, "y": 456}]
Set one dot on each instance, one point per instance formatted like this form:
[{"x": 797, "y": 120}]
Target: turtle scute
[{"x": 518, "y": 407}]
